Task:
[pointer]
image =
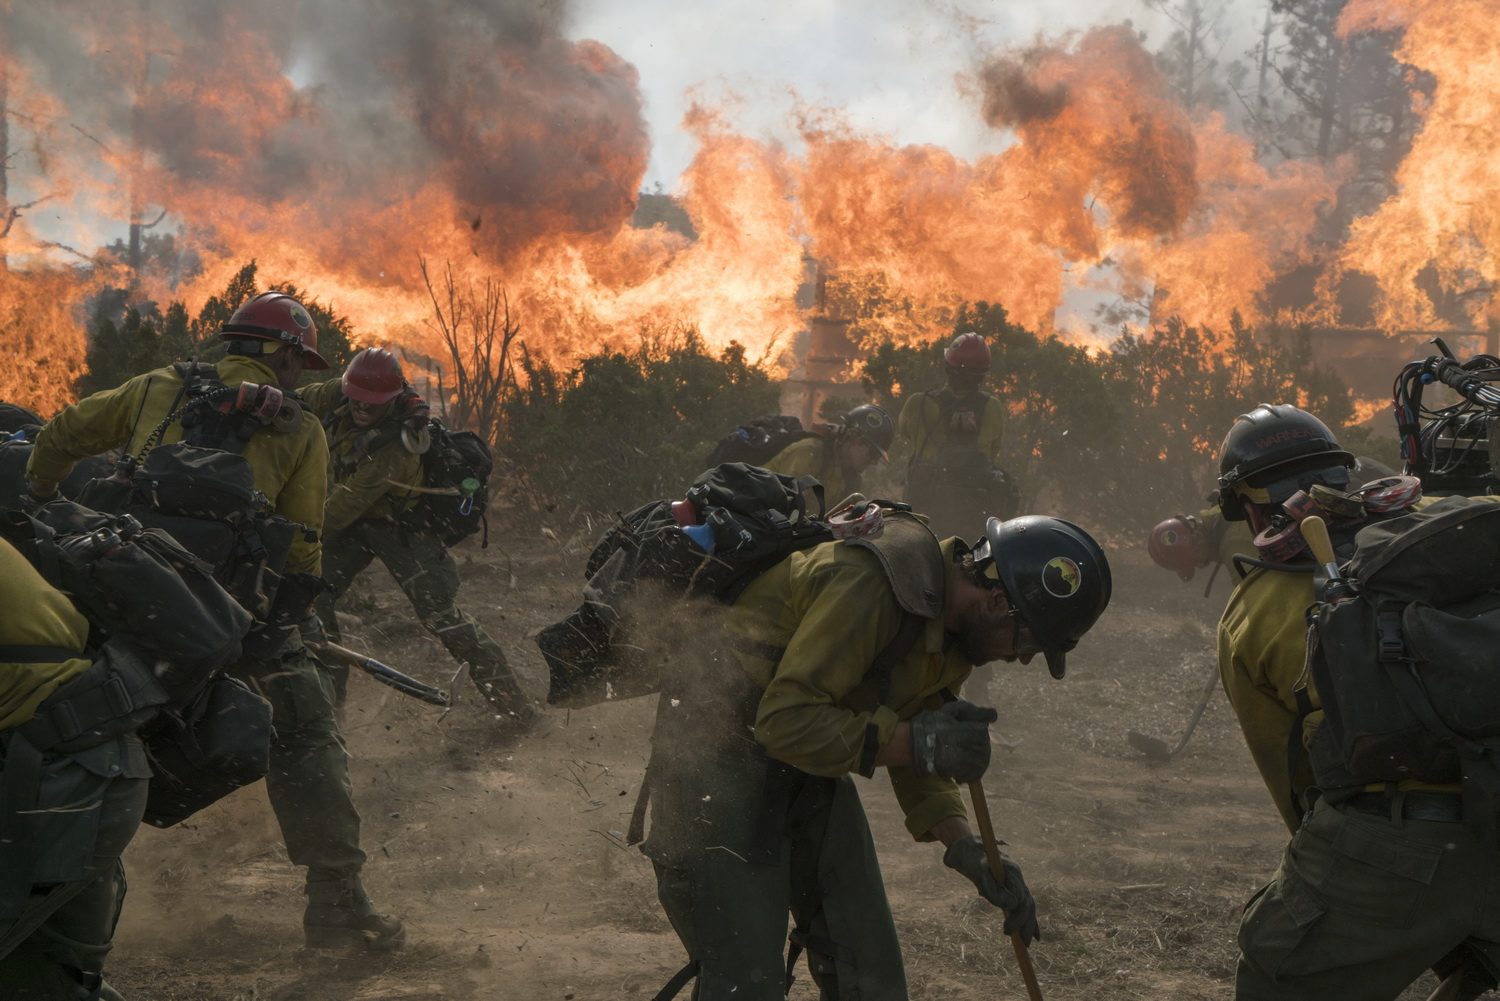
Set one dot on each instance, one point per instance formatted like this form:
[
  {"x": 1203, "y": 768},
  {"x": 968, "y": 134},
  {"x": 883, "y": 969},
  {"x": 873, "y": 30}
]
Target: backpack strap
[
  {"x": 1296, "y": 751},
  {"x": 881, "y": 670},
  {"x": 802, "y": 485},
  {"x": 20, "y": 653}
]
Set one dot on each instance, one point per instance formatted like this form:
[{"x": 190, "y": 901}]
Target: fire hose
[{"x": 997, "y": 869}]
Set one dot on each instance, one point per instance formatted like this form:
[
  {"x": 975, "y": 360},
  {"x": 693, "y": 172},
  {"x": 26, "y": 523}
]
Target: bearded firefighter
[
  {"x": 376, "y": 434},
  {"x": 954, "y": 437},
  {"x": 271, "y": 341},
  {"x": 838, "y": 661}
]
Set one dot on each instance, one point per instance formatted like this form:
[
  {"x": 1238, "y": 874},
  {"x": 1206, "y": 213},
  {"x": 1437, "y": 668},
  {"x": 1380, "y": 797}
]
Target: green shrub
[{"x": 617, "y": 429}]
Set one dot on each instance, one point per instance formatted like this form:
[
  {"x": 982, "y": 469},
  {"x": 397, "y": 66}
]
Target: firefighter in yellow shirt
[
  {"x": 272, "y": 340},
  {"x": 67, "y": 880},
  {"x": 1377, "y": 884},
  {"x": 837, "y": 661},
  {"x": 838, "y": 460},
  {"x": 375, "y": 472},
  {"x": 953, "y": 435}
]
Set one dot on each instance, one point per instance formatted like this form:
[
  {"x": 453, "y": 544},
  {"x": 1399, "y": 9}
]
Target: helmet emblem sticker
[
  {"x": 1061, "y": 577},
  {"x": 299, "y": 316}
]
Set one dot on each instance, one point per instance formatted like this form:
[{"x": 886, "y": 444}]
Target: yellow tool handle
[
  {"x": 1315, "y": 531},
  {"x": 997, "y": 868}
]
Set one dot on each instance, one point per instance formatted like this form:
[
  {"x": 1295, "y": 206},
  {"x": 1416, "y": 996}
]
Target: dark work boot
[
  {"x": 340, "y": 916},
  {"x": 498, "y": 686}
]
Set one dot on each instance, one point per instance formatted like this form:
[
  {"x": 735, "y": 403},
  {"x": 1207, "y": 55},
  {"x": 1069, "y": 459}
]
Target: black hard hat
[
  {"x": 1274, "y": 451},
  {"x": 873, "y": 424},
  {"x": 14, "y": 417},
  {"x": 1055, "y": 575}
]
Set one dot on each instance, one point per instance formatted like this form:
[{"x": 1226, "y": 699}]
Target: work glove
[
  {"x": 313, "y": 635},
  {"x": 953, "y": 741},
  {"x": 414, "y": 410},
  {"x": 37, "y": 493},
  {"x": 966, "y": 855}
]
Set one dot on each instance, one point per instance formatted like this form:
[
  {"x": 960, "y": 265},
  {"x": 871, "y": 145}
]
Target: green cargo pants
[
  {"x": 308, "y": 783},
  {"x": 737, "y": 845},
  {"x": 91, "y": 803},
  {"x": 426, "y": 571},
  {"x": 1362, "y": 905}
]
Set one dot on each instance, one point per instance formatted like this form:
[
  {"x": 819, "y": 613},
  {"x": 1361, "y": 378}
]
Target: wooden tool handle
[
  {"x": 1315, "y": 531},
  {"x": 997, "y": 869}
]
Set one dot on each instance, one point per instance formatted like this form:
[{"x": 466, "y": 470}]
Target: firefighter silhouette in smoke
[
  {"x": 376, "y": 435},
  {"x": 954, "y": 437}
]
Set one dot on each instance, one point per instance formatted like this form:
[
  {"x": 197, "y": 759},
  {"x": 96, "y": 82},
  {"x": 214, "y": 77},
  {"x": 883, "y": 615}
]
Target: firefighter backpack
[{"x": 1405, "y": 654}]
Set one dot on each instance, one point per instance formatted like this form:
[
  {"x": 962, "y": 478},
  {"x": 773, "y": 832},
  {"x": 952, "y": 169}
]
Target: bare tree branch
[{"x": 478, "y": 331}]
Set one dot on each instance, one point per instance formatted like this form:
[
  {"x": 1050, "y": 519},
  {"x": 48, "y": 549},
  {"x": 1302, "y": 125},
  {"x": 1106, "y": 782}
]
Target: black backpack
[
  {"x": 1406, "y": 657},
  {"x": 202, "y": 492},
  {"x": 748, "y": 519},
  {"x": 135, "y": 584},
  {"x": 14, "y": 417},
  {"x": 759, "y": 441},
  {"x": 143, "y": 591},
  {"x": 456, "y": 472},
  {"x": 15, "y": 453}
]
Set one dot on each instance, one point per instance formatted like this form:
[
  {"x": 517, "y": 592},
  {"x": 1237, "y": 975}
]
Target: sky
[{"x": 892, "y": 66}]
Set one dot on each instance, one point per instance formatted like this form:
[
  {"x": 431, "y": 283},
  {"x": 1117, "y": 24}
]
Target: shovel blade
[
  {"x": 1151, "y": 747},
  {"x": 457, "y": 685}
]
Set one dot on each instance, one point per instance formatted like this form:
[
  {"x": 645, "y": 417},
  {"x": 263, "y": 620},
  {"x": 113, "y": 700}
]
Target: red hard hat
[
  {"x": 1172, "y": 546},
  {"x": 276, "y": 316},
  {"x": 373, "y": 376},
  {"x": 969, "y": 352}
]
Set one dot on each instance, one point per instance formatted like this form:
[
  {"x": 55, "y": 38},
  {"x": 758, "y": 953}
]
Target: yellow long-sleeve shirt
[
  {"x": 36, "y": 614},
  {"x": 363, "y": 482},
  {"x": 290, "y": 467},
  {"x": 1262, "y": 658},
  {"x": 816, "y": 457},
  {"x": 927, "y": 435},
  {"x": 806, "y": 632}
]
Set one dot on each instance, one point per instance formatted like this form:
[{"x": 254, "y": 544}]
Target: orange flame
[
  {"x": 510, "y": 150},
  {"x": 1444, "y": 214}
]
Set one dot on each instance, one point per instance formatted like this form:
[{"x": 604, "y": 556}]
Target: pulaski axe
[
  {"x": 997, "y": 868},
  {"x": 387, "y": 675}
]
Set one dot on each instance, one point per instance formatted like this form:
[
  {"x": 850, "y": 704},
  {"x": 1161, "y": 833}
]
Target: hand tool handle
[{"x": 997, "y": 868}]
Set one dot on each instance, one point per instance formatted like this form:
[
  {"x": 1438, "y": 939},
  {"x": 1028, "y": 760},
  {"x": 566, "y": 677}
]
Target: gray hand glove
[
  {"x": 966, "y": 855},
  {"x": 953, "y": 741},
  {"x": 311, "y": 628}
]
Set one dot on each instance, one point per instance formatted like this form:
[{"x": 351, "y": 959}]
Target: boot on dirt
[
  {"x": 339, "y": 916},
  {"x": 504, "y": 695}
]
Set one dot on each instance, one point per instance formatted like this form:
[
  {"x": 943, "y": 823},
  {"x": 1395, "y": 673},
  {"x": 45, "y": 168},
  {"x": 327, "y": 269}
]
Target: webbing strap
[
  {"x": 679, "y": 980},
  {"x": 21, "y": 653},
  {"x": 800, "y": 940},
  {"x": 20, "y": 784},
  {"x": 1296, "y": 751},
  {"x": 881, "y": 669},
  {"x": 38, "y": 911},
  {"x": 637, "y": 831}
]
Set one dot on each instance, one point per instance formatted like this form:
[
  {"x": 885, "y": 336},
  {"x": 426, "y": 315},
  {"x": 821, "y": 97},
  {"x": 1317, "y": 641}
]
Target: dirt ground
[{"x": 505, "y": 855}]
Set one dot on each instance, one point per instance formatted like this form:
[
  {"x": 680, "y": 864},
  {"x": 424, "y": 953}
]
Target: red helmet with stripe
[{"x": 276, "y": 316}]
